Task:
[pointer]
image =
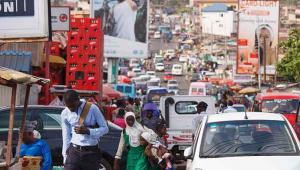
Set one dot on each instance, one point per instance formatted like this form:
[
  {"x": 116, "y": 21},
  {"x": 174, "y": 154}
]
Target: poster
[
  {"x": 125, "y": 25},
  {"x": 257, "y": 35},
  {"x": 60, "y": 18}
]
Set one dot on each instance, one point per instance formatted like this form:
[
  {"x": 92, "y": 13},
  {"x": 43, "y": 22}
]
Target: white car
[
  {"x": 172, "y": 83},
  {"x": 136, "y": 72},
  {"x": 152, "y": 74},
  {"x": 183, "y": 59},
  {"x": 170, "y": 54},
  {"x": 134, "y": 63},
  {"x": 177, "y": 70},
  {"x": 159, "y": 67},
  {"x": 173, "y": 89},
  {"x": 260, "y": 141},
  {"x": 156, "y": 35}
]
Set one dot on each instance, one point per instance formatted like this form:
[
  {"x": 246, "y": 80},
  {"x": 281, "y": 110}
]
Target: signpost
[{"x": 60, "y": 18}]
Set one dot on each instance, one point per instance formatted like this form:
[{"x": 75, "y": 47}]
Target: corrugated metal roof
[
  {"x": 16, "y": 77},
  {"x": 16, "y": 60},
  {"x": 217, "y": 7}
]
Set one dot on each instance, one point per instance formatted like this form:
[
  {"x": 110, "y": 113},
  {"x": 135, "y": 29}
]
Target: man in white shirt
[
  {"x": 230, "y": 108},
  {"x": 201, "y": 110}
]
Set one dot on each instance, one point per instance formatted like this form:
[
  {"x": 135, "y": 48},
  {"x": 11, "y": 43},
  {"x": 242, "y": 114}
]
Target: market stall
[{"x": 12, "y": 78}]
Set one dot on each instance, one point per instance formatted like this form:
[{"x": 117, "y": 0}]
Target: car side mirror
[{"x": 188, "y": 153}]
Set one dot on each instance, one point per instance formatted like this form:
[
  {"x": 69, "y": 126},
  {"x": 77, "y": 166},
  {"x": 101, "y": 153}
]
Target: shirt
[
  {"x": 71, "y": 119},
  {"x": 198, "y": 119},
  {"x": 38, "y": 148},
  {"x": 120, "y": 122},
  {"x": 230, "y": 109}
]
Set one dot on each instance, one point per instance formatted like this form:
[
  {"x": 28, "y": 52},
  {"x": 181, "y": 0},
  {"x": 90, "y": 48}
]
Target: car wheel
[{"x": 104, "y": 165}]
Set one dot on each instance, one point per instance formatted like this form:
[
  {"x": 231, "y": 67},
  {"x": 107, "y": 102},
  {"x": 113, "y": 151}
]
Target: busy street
[{"x": 149, "y": 85}]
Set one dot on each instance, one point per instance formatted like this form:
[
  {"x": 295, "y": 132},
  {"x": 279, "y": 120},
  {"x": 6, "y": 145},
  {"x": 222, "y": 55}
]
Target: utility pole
[{"x": 265, "y": 58}]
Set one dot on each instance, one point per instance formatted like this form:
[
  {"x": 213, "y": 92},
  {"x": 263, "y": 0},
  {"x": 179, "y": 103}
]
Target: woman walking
[{"x": 130, "y": 139}]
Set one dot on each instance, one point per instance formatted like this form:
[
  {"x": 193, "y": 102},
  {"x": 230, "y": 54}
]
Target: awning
[
  {"x": 16, "y": 60},
  {"x": 8, "y": 76},
  {"x": 57, "y": 60}
]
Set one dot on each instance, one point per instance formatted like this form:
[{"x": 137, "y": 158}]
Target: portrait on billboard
[{"x": 125, "y": 19}]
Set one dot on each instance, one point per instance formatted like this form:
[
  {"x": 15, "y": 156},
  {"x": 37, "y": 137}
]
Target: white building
[{"x": 218, "y": 19}]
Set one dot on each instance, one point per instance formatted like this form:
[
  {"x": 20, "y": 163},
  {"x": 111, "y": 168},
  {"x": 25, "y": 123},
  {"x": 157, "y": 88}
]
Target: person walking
[
  {"x": 120, "y": 121},
  {"x": 130, "y": 139},
  {"x": 201, "y": 110},
  {"x": 82, "y": 126},
  {"x": 35, "y": 147}
]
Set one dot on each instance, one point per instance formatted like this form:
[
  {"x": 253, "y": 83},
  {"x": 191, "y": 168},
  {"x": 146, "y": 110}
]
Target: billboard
[
  {"x": 24, "y": 19},
  {"x": 60, "y": 18},
  {"x": 125, "y": 25},
  {"x": 257, "y": 34}
]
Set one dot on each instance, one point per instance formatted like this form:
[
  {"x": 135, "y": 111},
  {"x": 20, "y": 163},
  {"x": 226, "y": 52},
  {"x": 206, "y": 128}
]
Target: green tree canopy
[{"x": 289, "y": 66}]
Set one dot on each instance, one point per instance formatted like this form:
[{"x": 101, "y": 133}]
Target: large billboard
[
  {"x": 125, "y": 25},
  {"x": 21, "y": 20},
  {"x": 257, "y": 34}
]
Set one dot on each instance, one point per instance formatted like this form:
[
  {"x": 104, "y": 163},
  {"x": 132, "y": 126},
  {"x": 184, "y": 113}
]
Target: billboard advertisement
[
  {"x": 24, "y": 19},
  {"x": 257, "y": 34},
  {"x": 125, "y": 25}
]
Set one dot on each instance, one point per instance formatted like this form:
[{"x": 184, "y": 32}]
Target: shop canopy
[
  {"x": 57, "y": 60},
  {"x": 12, "y": 78}
]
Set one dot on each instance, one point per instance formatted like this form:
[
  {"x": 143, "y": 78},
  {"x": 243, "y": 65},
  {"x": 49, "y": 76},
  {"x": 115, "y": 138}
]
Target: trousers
[{"x": 82, "y": 159}]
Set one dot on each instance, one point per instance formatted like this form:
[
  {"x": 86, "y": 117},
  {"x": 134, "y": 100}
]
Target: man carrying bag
[{"x": 82, "y": 126}]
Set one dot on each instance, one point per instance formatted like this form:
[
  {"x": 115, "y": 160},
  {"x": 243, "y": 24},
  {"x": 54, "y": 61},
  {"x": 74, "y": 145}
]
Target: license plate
[{"x": 183, "y": 147}]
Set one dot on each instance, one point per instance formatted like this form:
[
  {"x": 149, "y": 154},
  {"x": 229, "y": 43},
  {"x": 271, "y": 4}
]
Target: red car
[{"x": 168, "y": 76}]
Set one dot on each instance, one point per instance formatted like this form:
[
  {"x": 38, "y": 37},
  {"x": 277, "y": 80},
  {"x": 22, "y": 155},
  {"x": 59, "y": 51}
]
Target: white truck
[{"x": 179, "y": 112}]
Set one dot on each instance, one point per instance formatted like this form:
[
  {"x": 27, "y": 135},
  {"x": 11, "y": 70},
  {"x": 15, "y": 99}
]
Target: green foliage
[{"x": 289, "y": 66}]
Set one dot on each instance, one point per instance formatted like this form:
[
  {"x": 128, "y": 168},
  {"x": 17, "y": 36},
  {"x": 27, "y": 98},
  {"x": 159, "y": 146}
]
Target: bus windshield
[{"x": 280, "y": 106}]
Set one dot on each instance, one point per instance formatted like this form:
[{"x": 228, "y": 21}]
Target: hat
[
  {"x": 30, "y": 126},
  {"x": 150, "y": 136},
  {"x": 202, "y": 104}
]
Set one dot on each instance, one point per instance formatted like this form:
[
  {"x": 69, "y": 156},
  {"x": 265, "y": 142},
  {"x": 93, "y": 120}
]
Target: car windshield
[
  {"x": 153, "y": 83},
  {"x": 247, "y": 138},
  {"x": 239, "y": 108},
  {"x": 280, "y": 106},
  {"x": 172, "y": 82},
  {"x": 173, "y": 88}
]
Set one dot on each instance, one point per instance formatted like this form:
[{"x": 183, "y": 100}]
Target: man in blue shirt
[
  {"x": 80, "y": 141},
  {"x": 35, "y": 147}
]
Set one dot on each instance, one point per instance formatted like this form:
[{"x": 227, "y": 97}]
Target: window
[
  {"x": 127, "y": 89},
  {"x": 248, "y": 137},
  {"x": 186, "y": 107},
  {"x": 120, "y": 88}
]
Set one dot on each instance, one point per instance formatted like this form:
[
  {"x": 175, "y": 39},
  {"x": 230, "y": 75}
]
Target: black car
[{"x": 49, "y": 126}]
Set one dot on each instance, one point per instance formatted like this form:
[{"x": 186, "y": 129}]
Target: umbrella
[
  {"x": 57, "y": 59},
  {"x": 111, "y": 93},
  {"x": 249, "y": 90}
]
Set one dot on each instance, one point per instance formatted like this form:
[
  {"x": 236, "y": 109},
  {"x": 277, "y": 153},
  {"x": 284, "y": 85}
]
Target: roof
[
  {"x": 9, "y": 77},
  {"x": 270, "y": 96},
  {"x": 217, "y": 7},
  {"x": 241, "y": 116},
  {"x": 16, "y": 60}
]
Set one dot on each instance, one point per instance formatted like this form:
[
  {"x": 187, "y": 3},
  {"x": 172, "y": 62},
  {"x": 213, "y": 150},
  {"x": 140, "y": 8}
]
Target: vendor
[{"x": 32, "y": 146}]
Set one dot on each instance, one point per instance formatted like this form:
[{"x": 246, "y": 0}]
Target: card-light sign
[{"x": 15, "y": 8}]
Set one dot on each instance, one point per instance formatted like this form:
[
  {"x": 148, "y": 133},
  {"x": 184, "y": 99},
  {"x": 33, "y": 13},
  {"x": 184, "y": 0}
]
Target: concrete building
[{"x": 218, "y": 19}]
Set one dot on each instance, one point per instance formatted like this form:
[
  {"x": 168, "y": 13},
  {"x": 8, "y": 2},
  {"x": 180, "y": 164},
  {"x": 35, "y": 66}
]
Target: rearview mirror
[{"x": 188, "y": 152}]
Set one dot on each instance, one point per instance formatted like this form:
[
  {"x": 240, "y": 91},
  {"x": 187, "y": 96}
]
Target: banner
[
  {"x": 60, "y": 18},
  {"x": 125, "y": 25},
  {"x": 257, "y": 34}
]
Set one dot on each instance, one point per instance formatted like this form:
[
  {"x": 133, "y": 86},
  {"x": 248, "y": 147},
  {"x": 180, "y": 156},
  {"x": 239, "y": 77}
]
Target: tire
[{"x": 105, "y": 165}]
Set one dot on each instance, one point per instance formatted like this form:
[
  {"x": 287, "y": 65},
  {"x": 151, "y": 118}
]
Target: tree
[{"x": 289, "y": 66}]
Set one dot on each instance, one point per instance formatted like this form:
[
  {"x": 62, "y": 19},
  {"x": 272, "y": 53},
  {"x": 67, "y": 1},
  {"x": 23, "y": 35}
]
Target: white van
[
  {"x": 179, "y": 112},
  {"x": 177, "y": 69}
]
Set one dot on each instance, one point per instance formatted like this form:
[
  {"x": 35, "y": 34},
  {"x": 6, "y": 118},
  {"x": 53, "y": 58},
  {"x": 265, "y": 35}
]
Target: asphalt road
[{"x": 155, "y": 46}]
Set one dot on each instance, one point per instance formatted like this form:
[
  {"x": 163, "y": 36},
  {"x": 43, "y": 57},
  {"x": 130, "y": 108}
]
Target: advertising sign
[
  {"x": 125, "y": 26},
  {"x": 60, "y": 18},
  {"x": 23, "y": 19},
  {"x": 257, "y": 34}
]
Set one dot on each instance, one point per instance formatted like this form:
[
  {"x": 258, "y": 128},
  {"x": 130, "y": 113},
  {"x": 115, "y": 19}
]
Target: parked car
[
  {"x": 159, "y": 67},
  {"x": 172, "y": 83},
  {"x": 167, "y": 76},
  {"x": 49, "y": 126},
  {"x": 238, "y": 141}
]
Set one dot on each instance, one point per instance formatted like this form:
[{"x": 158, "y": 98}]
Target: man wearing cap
[
  {"x": 82, "y": 126},
  {"x": 201, "y": 110},
  {"x": 35, "y": 147}
]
